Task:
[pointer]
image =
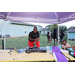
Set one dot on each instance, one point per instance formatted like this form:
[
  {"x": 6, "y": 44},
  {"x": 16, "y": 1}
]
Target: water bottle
[
  {"x": 59, "y": 46},
  {"x": 50, "y": 50}
]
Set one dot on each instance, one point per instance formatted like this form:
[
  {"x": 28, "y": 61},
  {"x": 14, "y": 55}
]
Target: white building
[{"x": 16, "y": 29}]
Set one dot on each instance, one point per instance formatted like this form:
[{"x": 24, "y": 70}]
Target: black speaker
[{"x": 55, "y": 33}]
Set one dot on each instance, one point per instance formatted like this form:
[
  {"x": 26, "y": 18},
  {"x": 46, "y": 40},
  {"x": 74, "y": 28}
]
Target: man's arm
[
  {"x": 31, "y": 39},
  {"x": 37, "y": 39},
  {"x": 73, "y": 47},
  {"x": 68, "y": 46}
]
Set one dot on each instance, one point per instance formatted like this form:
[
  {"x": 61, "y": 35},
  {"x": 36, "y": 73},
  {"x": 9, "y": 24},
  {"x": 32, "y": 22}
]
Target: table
[
  {"x": 25, "y": 57},
  {"x": 65, "y": 51}
]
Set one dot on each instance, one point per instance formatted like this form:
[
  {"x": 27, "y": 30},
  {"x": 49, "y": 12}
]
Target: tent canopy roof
[{"x": 38, "y": 17}]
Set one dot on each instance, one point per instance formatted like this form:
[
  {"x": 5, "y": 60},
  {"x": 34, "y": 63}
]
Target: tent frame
[
  {"x": 58, "y": 26},
  {"x": 6, "y": 16},
  {"x": 5, "y": 29}
]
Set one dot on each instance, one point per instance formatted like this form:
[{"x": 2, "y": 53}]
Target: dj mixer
[{"x": 35, "y": 49}]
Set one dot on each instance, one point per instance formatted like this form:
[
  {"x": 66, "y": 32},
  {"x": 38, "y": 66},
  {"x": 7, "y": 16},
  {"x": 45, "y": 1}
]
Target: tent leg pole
[
  {"x": 58, "y": 35},
  {"x": 5, "y": 35},
  {"x": 54, "y": 42},
  {"x": 5, "y": 29},
  {"x": 58, "y": 31}
]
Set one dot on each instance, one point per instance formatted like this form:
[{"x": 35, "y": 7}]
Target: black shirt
[
  {"x": 62, "y": 35},
  {"x": 48, "y": 36},
  {"x": 33, "y": 35}
]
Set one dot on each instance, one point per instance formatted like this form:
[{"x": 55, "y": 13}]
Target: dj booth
[
  {"x": 35, "y": 49},
  {"x": 5, "y": 56}
]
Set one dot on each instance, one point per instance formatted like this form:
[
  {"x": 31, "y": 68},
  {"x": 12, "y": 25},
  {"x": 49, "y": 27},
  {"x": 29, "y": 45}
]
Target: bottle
[
  {"x": 50, "y": 50},
  {"x": 59, "y": 46}
]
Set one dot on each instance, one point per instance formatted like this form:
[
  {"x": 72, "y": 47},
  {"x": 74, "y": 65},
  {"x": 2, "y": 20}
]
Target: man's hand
[
  {"x": 60, "y": 34},
  {"x": 73, "y": 47},
  {"x": 37, "y": 39},
  {"x": 34, "y": 43}
]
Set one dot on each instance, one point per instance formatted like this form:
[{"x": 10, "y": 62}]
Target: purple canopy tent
[{"x": 38, "y": 17}]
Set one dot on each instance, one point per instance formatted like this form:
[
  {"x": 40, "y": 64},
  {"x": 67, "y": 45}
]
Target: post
[
  {"x": 58, "y": 32},
  {"x": 2, "y": 44},
  {"x": 10, "y": 30},
  {"x": 58, "y": 26},
  {"x": 5, "y": 35},
  {"x": 5, "y": 29}
]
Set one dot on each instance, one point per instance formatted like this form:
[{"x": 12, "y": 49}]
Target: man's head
[
  {"x": 47, "y": 32},
  {"x": 61, "y": 31},
  {"x": 64, "y": 42},
  {"x": 35, "y": 29}
]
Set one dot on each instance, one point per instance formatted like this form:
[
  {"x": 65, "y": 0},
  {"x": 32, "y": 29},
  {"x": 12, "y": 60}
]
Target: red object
[
  {"x": 31, "y": 44},
  {"x": 74, "y": 53}
]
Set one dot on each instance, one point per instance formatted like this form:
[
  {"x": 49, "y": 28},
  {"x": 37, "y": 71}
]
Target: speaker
[{"x": 55, "y": 33}]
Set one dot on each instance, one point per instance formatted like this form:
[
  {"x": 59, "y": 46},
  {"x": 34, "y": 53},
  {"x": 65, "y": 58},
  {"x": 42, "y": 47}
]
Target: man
[
  {"x": 65, "y": 45},
  {"x": 61, "y": 36},
  {"x": 48, "y": 37},
  {"x": 34, "y": 38}
]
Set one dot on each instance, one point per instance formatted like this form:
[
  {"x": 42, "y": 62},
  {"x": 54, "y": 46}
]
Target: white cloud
[
  {"x": 41, "y": 24},
  {"x": 68, "y": 24}
]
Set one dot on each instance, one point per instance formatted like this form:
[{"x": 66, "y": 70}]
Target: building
[
  {"x": 71, "y": 34},
  {"x": 39, "y": 28},
  {"x": 44, "y": 31},
  {"x": 16, "y": 29}
]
